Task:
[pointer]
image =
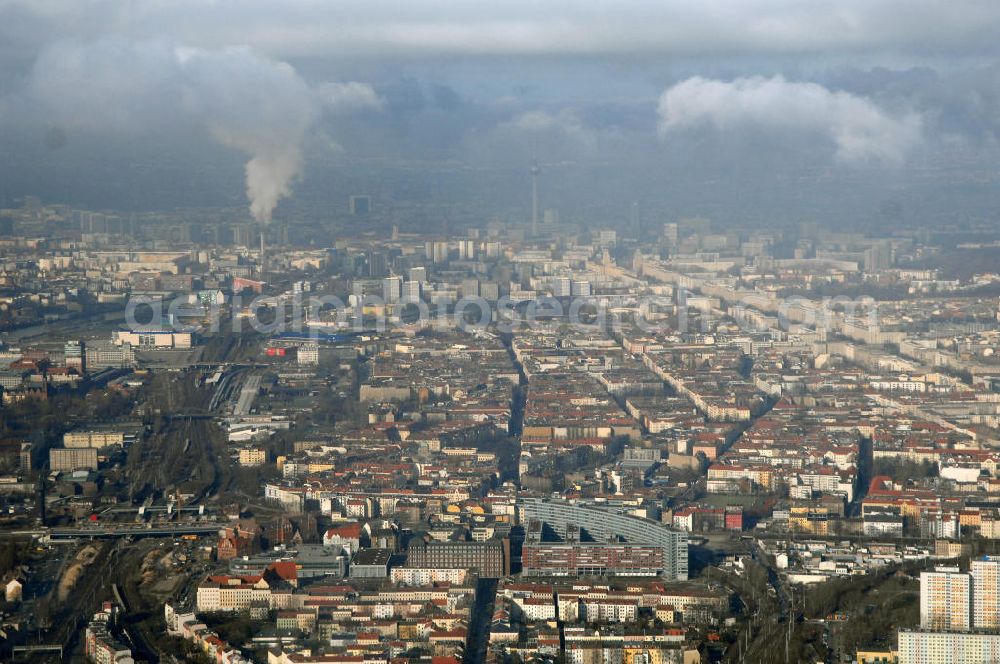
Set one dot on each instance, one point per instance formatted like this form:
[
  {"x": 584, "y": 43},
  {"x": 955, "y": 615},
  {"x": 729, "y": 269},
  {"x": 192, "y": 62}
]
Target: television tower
[{"x": 534, "y": 198}]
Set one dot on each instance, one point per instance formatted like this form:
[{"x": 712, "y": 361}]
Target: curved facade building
[{"x": 623, "y": 545}]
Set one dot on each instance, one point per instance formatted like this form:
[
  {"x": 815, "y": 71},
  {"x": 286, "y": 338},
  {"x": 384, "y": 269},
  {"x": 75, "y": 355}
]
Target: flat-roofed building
[
  {"x": 985, "y": 574},
  {"x": 63, "y": 459},
  {"x": 253, "y": 456},
  {"x": 620, "y": 543},
  {"x": 945, "y": 599},
  {"x": 934, "y": 647},
  {"x": 487, "y": 559},
  {"x": 92, "y": 438}
]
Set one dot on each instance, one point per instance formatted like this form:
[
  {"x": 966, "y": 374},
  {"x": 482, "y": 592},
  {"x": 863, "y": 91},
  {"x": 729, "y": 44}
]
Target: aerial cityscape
[{"x": 445, "y": 333}]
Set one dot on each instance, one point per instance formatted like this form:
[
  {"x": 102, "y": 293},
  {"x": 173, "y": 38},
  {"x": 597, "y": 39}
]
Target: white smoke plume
[
  {"x": 858, "y": 129},
  {"x": 260, "y": 107}
]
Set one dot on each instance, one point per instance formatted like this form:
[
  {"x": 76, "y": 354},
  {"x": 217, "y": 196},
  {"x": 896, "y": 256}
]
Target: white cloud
[
  {"x": 564, "y": 123},
  {"x": 858, "y": 129},
  {"x": 349, "y": 97}
]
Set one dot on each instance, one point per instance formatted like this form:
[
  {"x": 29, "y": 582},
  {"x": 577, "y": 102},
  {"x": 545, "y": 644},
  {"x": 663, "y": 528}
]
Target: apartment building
[
  {"x": 933, "y": 647},
  {"x": 946, "y": 599},
  {"x": 253, "y": 456},
  {"x": 487, "y": 559},
  {"x": 62, "y": 459},
  {"x": 985, "y": 573},
  {"x": 95, "y": 439}
]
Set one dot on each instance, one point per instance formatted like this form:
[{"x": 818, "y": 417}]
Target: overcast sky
[
  {"x": 295, "y": 28},
  {"x": 710, "y": 91}
]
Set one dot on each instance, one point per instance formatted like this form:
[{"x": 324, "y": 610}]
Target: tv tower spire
[{"x": 534, "y": 197}]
